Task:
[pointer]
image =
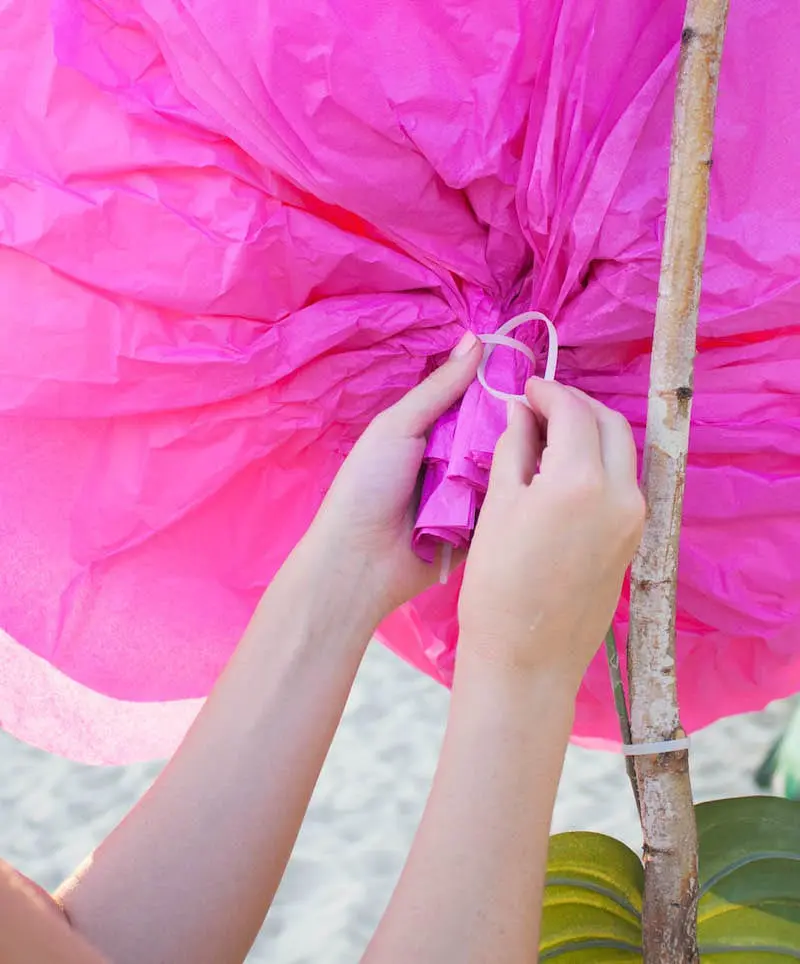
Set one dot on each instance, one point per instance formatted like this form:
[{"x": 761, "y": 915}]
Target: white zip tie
[
  {"x": 501, "y": 338},
  {"x": 446, "y": 563},
  {"x": 648, "y": 749}
]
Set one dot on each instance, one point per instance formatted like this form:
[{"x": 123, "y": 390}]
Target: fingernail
[{"x": 465, "y": 346}]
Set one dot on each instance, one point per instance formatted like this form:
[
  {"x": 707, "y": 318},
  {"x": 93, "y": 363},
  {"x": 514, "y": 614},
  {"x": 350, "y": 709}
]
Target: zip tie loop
[{"x": 500, "y": 337}]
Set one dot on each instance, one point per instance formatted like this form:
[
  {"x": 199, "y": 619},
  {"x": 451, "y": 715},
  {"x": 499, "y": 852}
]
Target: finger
[
  {"x": 519, "y": 448},
  {"x": 573, "y": 435},
  {"x": 617, "y": 445},
  {"x": 414, "y": 414}
]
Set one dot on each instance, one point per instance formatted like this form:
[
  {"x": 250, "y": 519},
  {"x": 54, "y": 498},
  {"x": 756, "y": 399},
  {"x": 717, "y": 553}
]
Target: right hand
[{"x": 546, "y": 566}]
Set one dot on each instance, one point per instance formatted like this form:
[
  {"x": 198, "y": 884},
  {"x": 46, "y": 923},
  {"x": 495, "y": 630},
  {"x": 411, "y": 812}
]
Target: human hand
[
  {"x": 366, "y": 523},
  {"x": 551, "y": 548}
]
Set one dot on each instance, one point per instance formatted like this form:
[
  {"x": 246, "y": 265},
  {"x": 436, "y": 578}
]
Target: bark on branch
[{"x": 668, "y": 825}]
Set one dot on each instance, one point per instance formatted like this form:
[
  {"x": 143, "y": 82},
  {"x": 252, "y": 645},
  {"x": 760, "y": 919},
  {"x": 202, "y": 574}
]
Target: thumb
[{"x": 416, "y": 412}]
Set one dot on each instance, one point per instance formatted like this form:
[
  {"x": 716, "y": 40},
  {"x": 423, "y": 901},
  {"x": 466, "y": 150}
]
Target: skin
[
  {"x": 541, "y": 584},
  {"x": 190, "y": 873}
]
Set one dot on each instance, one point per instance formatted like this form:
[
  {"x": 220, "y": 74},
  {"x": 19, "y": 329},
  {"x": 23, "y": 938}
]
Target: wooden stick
[{"x": 665, "y": 793}]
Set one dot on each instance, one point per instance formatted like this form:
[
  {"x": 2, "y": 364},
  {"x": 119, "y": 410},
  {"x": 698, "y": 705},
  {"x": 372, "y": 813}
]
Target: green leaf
[
  {"x": 749, "y": 909},
  {"x": 733, "y": 833},
  {"x": 749, "y": 880},
  {"x": 594, "y": 954},
  {"x": 597, "y": 862},
  {"x": 592, "y": 901}
]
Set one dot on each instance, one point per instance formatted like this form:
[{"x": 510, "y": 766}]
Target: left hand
[{"x": 367, "y": 520}]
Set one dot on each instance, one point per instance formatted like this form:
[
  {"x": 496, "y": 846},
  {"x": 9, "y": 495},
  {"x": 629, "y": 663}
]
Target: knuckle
[
  {"x": 618, "y": 418},
  {"x": 624, "y": 432},
  {"x": 585, "y": 485},
  {"x": 633, "y": 510},
  {"x": 637, "y": 504},
  {"x": 620, "y": 424}
]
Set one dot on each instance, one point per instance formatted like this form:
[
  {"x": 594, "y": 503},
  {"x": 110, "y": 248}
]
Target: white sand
[{"x": 363, "y": 815}]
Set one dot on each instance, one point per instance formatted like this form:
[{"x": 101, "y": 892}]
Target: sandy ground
[{"x": 364, "y": 812}]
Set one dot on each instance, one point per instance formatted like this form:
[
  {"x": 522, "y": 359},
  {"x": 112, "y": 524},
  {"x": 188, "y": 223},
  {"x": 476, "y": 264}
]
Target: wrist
[
  {"x": 519, "y": 715},
  {"x": 503, "y": 668},
  {"x": 328, "y": 589}
]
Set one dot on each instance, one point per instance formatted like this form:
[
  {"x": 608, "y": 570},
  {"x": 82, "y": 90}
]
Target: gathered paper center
[{"x": 501, "y": 337}]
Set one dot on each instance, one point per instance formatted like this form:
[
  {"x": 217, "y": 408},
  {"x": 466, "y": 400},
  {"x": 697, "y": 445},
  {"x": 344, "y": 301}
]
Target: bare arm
[
  {"x": 541, "y": 584},
  {"x": 472, "y": 888},
  {"x": 190, "y": 873}
]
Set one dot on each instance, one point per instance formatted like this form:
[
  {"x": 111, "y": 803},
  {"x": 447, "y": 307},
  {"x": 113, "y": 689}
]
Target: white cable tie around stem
[{"x": 653, "y": 749}]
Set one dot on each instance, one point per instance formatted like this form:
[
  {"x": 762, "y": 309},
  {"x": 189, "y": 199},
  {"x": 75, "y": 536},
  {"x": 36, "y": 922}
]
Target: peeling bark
[{"x": 665, "y": 793}]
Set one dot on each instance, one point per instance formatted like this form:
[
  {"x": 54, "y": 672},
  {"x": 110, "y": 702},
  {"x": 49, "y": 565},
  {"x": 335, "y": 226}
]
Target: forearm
[
  {"x": 191, "y": 872},
  {"x": 472, "y": 888}
]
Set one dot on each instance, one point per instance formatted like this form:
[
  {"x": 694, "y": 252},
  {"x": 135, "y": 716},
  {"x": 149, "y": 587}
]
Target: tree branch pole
[{"x": 665, "y": 793}]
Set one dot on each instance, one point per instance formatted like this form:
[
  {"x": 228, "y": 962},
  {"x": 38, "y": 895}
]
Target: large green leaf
[
  {"x": 592, "y": 901},
  {"x": 743, "y": 830},
  {"x": 749, "y": 910},
  {"x": 749, "y": 880}
]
